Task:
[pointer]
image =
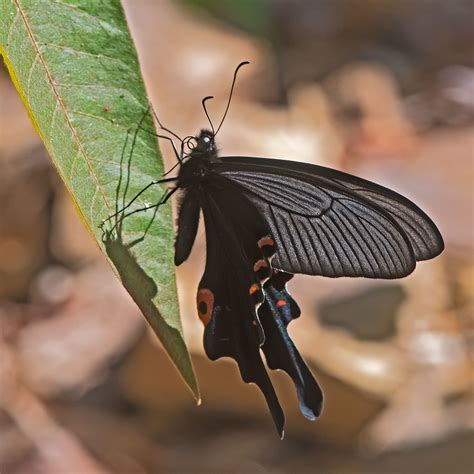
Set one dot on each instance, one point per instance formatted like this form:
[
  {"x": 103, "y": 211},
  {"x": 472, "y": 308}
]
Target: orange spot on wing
[
  {"x": 253, "y": 289},
  {"x": 281, "y": 303},
  {"x": 260, "y": 264}
]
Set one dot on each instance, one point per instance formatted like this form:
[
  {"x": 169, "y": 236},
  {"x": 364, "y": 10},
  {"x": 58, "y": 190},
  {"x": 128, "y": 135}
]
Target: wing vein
[
  {"x": 308, "y": 258},
  {"x": 332, "y": 246},
  {"x": 368, "y": 237},
  {"x": 383, "y": 223},
  {"x": 278, "y": 235},
  {"x": 373, "y": 240},
  {"x": 356, "y": 245}
]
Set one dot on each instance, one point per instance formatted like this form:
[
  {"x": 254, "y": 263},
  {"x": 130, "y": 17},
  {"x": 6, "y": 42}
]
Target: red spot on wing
[
  {"x": 205, "y": 305},
  {"x": 266, "y": 241},
  {"x": 281, "y": 303}
]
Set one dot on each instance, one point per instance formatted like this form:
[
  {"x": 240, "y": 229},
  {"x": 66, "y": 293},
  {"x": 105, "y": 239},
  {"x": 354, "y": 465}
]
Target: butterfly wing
[
  {"x": 188, "y": 221},
  {"x": 275, "y": 313},
  {"x": 326, "y": 222},
  {"x": 230, "y": 287}
]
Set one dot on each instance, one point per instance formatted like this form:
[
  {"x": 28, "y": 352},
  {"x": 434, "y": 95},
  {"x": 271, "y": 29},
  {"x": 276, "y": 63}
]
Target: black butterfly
[{"x": 267, "y": 219}]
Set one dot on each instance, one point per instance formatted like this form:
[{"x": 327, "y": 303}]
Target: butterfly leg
[
  {"x": 162, "y": 201},
  {"x": 178, "y": 155},
  {"x": 119, "y": 184},
  {"x": 149, "y": 185},
  {"x": 155, "y": 115},
  {"x": 119, "y": 215}
]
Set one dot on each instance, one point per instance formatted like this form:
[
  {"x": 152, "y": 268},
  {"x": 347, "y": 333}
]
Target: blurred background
[{"x": 379, "y": 88}]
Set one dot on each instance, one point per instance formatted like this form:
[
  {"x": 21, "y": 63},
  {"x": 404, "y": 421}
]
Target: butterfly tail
[
  {"x": 229, "y": 335},
  {"x": 277, "y": 311}
]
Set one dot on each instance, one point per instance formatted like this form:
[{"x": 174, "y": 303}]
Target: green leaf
[{"x": 75, "y": 67}]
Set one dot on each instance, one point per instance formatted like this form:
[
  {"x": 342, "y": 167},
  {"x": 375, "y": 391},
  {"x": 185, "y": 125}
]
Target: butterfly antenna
[
  {"x": 243, "y": 63},
  {"x": 206, "y": 112}
]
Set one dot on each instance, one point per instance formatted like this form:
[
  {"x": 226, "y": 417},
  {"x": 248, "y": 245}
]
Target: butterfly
[{"x": 267, "y": 219}]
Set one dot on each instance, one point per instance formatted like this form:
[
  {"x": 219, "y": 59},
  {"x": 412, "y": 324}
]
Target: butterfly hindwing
[
  {"x": 277, "y": 311},
  {"x": 230, "y": 288}
]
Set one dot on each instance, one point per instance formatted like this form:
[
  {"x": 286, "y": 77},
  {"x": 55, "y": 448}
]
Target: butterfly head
[{"x": 206, "y": 144}]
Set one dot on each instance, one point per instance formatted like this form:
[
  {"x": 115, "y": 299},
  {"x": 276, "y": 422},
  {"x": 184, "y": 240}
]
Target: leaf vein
[
  {"x": 53, "y": 120},
  {"x": 10, "y": 30},
  {"x": 30, "y": 74},
  {"x": 85, "y": 13},
  {"x": 91, "y": 209},
  {"x": 59, "y": 100},
  {"x": 83, "y": 53},
  {"x": 97, "y": 86}
]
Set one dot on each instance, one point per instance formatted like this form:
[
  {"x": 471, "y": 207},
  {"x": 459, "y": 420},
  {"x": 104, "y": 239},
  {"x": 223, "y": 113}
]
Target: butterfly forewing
[
  {"x": 353, "y": 227},
  {"x": 188, "y": 221}
]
